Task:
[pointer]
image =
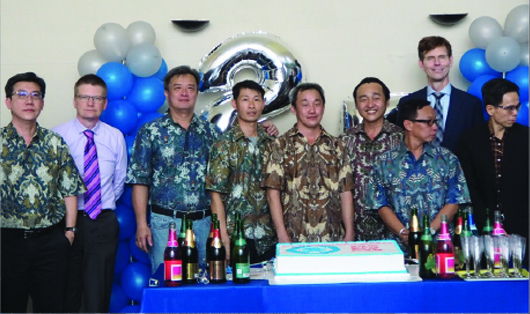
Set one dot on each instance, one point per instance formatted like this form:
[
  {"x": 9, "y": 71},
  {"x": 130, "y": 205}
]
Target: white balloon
[
  {"x": 483, "y": 30},
  {"x": 503, "y": 54},
  {"x": 144, "y": 60},
  {"x": 141, "y": 32},
  {"x": 90, "y": 62},
  {"x": 525, "y": 57},
  {"x": 516, "y": 24},
  {"x": 112, "y": 42}
]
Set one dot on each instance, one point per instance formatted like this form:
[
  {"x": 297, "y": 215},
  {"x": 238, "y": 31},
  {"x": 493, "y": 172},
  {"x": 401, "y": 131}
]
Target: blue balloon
[
  {"x": 118, "y": 78},
  {"x": 162, "y": 71},
  {"x": 118, "y": 299},
  {"x": 473, "y": 64},
  {"x": 129, "y": 141},
  {"x": 148, "y": 117},
  {"x": 130, "y": 309},
  {"x": 134, "y": 279},
  {"x": 137, "y": 254},
  {"x": 126, "y": 220},
  {"x": 123, "y": 258},
  {"x": 126, "y": 197},
  {"x": 519, "y": 76},
  {"x": 147, "y": 94},
  {"x": 121, "y": 115},
  {"x": 522, "y": 116}
]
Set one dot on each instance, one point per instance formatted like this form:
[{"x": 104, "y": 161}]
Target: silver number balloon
[{"x": 258, "y": 56}]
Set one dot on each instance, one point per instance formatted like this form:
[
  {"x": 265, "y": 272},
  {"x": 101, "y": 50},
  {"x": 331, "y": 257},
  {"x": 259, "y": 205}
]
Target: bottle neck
[
  {"x": 172, "y": 238},
  {"x": 190, "y": 238}
]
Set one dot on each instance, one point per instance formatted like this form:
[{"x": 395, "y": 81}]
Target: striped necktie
[
  {"x": 91, "y": 177},
  {"x": 439, "y": 117}
]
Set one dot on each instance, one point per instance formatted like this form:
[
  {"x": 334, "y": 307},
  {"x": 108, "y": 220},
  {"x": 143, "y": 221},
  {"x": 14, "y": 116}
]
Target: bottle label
[
  {"x": 242, "y": 270},
  {"x": 445, "y": 263},
  {"x": 173, "y": 270},
  {"x": 191, "y": 271},
  {"x": 217, "y": 270}
]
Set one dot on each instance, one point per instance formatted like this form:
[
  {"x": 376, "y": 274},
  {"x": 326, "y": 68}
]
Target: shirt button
[
  {"x": 498, "y": 159},
  {"x": 499, "y": 175}
]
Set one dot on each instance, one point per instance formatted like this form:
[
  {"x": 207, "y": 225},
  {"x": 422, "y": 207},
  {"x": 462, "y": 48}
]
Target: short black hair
[
  {"x": 25, "y": 77},
  {"x": 368, "y": 80},
  {"x": 181, "y": 70},
  {"x": 302, "y": 88},
  {"x": 408, "y": 109},
  {"x": 429, "y": 43},
  {"x": 494, "y": 90},
  {"x": 90, "y": 79},
  {"x": 249, "y": 84}
]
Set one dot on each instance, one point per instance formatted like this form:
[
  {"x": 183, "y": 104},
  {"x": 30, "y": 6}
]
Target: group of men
[{"x": 59, "y": 191}]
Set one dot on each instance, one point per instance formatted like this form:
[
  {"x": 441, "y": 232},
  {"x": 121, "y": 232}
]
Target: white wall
[{"x": 338, "y": 42}]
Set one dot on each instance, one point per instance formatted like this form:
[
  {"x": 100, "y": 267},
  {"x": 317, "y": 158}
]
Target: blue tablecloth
[{"x": 412, "y": 297}]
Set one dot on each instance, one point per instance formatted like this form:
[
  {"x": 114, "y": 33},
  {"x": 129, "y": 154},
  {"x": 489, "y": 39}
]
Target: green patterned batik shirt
[
  {"x": 235, "y": 170},
  {"x": 311, "y": 178},
  {"x": 35, "y": 179}
]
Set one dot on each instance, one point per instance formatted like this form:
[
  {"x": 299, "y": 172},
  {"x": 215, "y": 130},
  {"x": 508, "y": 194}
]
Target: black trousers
[
  {"x": 91, "y": 263},
  {"x": 36, "y": 267}
]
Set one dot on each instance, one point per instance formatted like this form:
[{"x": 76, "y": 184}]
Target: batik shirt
[
  {"x": 401, "y": 182},
  {"x": 235, "y": 170},
  {"x": 35, "y": 179},
  {"x": 311, "y": 178},
  {"x": 172, "y": 161},
  {"x": 362, "y": 152}
]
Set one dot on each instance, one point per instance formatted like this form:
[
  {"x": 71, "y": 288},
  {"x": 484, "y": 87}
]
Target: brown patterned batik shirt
[
  {"x": 311, "y": 178},
  {"x": 362, "y": 152}
]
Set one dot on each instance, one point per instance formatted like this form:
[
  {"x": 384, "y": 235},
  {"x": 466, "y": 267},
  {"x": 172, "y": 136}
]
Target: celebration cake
[{"x": 336, "y": 262}]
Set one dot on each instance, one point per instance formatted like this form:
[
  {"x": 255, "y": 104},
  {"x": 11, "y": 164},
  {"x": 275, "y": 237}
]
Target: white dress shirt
[{"x": 444, "y": 100}]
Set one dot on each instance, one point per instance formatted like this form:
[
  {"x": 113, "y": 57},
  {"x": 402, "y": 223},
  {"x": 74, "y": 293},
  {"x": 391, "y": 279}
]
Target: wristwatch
[{"x": 73, "y": 229}]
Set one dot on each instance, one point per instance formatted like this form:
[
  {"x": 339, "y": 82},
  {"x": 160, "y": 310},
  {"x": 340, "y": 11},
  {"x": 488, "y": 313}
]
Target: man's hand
[
  {"x": 404, "y": 235},
  {"x": 270, "y": 128},
  {"x": 143, "y": 238},
  {"x": 70, "y": 235}
]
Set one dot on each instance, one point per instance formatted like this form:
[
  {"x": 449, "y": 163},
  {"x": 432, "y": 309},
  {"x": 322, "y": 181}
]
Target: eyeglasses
[
  {"x": 25, "y": 94},
  {"x": 428, "y": 122},
  {"x": 86, "y": 98},
  {"x": 510, "y": 108}
]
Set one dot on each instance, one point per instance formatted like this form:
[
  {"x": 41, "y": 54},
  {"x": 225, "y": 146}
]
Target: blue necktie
[{"x": 439, "y": 117}]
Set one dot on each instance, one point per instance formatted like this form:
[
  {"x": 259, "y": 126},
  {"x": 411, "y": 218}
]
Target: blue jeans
[{"x": 159, "y": 231}]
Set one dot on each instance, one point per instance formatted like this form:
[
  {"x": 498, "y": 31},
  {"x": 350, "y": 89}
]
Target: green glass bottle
[
  {"x": 190, "y": 258},
  {"x": 182, "y": 231},
  {"x": 488, "y": 226},
  {"x": 427, "y": 250},
  {"x": 240, "y": 258},
  {"x": 414, "y": 236}
]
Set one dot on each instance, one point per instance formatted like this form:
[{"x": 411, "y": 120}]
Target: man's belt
[
  {"x": 196, "y": 215},
  {"x": 30, "y": 233}
]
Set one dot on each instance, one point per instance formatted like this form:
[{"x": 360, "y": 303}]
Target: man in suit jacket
[
  {"x": 456, "y": 110},
  {"x": 494, "y": 156}
]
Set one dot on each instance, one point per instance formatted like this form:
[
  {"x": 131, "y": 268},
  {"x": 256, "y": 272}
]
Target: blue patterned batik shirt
[
  {"x": 401, "y": 182},
  {"x": 172, "y": 161}
]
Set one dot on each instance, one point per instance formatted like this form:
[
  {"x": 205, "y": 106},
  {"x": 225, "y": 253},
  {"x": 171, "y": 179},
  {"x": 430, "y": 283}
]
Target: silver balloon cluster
[{"x": 257, "y": 56}]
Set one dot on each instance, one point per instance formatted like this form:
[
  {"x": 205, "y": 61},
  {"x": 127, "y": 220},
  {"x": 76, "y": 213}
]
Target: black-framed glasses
[
  {"x": 428, "y": 122},
  {"x": 35, "y": 95},
  {"x": 510, "y": 108},
  {"x": 86, "y": 98}
]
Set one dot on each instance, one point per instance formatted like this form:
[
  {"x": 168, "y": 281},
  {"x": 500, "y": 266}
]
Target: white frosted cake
[{"x": 336, "y": 262}]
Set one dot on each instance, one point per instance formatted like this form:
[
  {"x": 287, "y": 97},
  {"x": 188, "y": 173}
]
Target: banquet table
[{"x": 258, "y": 296}]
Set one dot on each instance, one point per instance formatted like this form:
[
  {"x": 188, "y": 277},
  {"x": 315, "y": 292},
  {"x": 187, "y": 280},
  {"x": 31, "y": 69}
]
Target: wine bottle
[
  {"x": 498, "y": 231},
  {"x": 445, "y": 256},
  {"x": 172, "y": 259},
  {"x": 210, "y": 235},
  {"x": 427, "y": 249},
  {"x": 235, "y": 232},
  {"x": 216, "y": 257},
  {"x": 190, "y": 257},
  {"x": 488, "y": 227},
  {"x": 458, "y": 233},
  {"x": 240, "y": 258},
  {"x": 182, "y": 232},
  {"x": 414, "y": 236}
]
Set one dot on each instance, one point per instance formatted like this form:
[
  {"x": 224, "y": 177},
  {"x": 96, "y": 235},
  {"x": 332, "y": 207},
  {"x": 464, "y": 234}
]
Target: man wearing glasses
[
  {"x": 39, "y": 184},
  {"x": 456, "y": 110},
  {"x": 100, "y": 154},
  {"x": 494, "y": 157},
  {"x": 416, "y": 174}
]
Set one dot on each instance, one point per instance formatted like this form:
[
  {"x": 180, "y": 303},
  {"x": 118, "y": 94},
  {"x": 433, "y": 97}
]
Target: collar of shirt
[
  {"x": 195, "y": 122},
  {"x": 80, "y": 128},
  {"x": 444, "y": 100},
  {"x": 428, "y": 149},
  {"x": 387, "y": 128},
  {"x": 294, "y": 132},
  {"x": 238, "y": 133},
  {"x": 10, "y": 132}
]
